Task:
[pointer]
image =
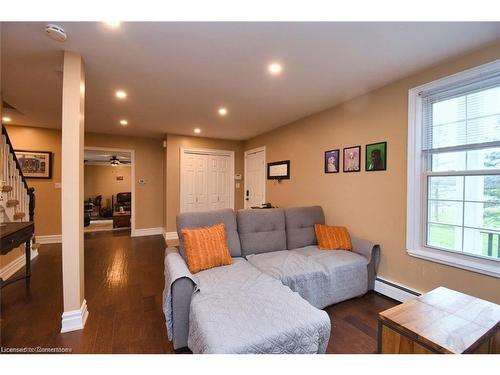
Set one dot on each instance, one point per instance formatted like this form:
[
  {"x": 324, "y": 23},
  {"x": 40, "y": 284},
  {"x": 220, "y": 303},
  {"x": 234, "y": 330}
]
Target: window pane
[
  {"x": 483, "y": 159},
  {"x": 468, "y": 119},
  {"x": 482, "y": 188},
  {"x": 482, "y": 215},
  {"x": 475, "y": 160},
  {"x": 483, "y": 129},
  {"x": 446, "y": 111},
  {"x": 484, "y": 103},
  {"x": 449, "y": 187},
  {"x": 449, "y": 161},
  {"x": 481, "y": 242},
  {"x": 445, "y": 237},
  {"x": 446, "y": 135},
  {"x": 445, "y": 212}
]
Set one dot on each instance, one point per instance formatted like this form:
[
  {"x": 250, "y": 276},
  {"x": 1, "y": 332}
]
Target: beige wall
[
  {"x": 102, "y": 180},
  {"x": 372, "y": 205},
  {"x": 150, "y": 197},
  {"x": 172, "y": 157}
]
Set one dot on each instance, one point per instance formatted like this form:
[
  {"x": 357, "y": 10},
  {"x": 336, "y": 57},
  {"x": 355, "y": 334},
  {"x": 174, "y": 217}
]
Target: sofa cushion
[
  {"x": 227, "y": 217},
  {"x": 206, "y": 248},
  {"x": 238, "y": 309},
  {"x": 261, "y": 231},
  {"x": 320, "y": 277},
  {"x": 332, "y": 238},
  {"x": 300, "y": 225}
]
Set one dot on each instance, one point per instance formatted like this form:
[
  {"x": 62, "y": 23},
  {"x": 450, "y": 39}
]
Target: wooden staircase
[
  {"x": 17, "y": 209},
  {"x": 17, "y": 200}
]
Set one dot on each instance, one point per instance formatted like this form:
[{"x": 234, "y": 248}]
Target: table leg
[
  {"x": 28, "y": 261},
  {"x": 379, "y": 337}
]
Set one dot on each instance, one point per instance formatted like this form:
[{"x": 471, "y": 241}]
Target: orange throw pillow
[
  {"x": 332, "y": 238},
  {"x": 206, "y": 248}
]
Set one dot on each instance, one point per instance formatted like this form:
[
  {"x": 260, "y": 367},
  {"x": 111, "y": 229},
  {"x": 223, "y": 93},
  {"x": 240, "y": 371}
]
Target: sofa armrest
[
  {"x": 182, "y": 286},
  {"x": 371, "y": 252}
]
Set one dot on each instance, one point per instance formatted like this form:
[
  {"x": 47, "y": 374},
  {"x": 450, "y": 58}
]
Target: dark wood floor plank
[{"x": 123, "y": 288}]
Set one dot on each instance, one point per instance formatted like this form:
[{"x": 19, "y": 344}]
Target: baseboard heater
[{"x": 394, "y": 291}]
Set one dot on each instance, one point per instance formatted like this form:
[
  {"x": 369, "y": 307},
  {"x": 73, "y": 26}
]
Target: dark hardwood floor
[{"x": 123, "y": 288}]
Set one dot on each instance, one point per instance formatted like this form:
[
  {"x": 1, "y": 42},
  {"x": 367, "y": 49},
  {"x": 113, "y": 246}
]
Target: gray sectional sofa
[{"x": 269, "y": 299}]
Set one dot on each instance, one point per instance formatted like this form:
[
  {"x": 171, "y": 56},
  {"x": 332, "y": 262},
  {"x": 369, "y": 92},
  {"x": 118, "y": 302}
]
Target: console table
[
  {"x": 441, "y": 321},
  {"x": 14, "y": 235},
  {"x": 121, "y": 219}
]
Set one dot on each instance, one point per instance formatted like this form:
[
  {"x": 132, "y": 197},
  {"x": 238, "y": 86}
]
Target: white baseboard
[
  {"x": 14, "y": 266},
  {"x": 147, "y": 232},
  {"x": 75, "y": 319},
  {"x": 53, "y": 238},
  {"x": 170, "y": 236},
  {"x": 395, "y": 291}
]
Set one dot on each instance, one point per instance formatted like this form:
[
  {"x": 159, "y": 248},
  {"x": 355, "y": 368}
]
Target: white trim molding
[
  {"x": 52, "y": 238},
  {"x": 170, "y": 236},
  {"x": 74, "y": 320},
  {"x": 147, "y": 232},
  {"x": 395, "y": 291},
  {"x": 417, "y": 185},
  {"x": 10, "y": 269}
]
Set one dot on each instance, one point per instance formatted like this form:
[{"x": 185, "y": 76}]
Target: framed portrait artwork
[
  {"x": 332, "y": 159},
  {"x": 35, "y": 164},
  {"x": 376, "y": 157},
  {"x": 351, "y": 159}
]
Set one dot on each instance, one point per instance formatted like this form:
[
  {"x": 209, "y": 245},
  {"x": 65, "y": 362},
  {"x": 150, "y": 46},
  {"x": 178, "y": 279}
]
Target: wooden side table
[
  {"x": 441, "y": 321},
  {"x": 12, "y": 236}
]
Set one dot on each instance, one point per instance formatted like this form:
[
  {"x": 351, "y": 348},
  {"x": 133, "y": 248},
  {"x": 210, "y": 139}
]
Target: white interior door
[
  {"x": 201, "y": 182},
  {"x": 219, "y": 182},
  {"x": 255, "y": 177},
  {"x": 206, "y": 180},
  {"x": 195, "y": 182}
]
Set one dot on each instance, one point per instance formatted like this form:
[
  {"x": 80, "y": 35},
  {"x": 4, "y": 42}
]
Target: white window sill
[{"x": 475, "y": 264}]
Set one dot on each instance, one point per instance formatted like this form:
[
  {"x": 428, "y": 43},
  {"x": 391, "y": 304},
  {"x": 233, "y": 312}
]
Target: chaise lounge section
[{"x": 269, "y": 299}]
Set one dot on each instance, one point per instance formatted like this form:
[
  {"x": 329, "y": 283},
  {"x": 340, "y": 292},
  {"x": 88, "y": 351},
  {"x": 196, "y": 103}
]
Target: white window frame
[{"x": 416, "y": 209}]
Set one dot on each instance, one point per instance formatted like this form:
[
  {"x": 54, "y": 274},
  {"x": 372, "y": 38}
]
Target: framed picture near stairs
[{"x": 35, "y": 164}]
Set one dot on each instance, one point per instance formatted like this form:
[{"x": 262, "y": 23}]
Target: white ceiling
[{"x": 178, "y": 74}]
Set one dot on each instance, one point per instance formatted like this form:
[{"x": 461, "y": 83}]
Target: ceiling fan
[{"x": 114, "y": 161}]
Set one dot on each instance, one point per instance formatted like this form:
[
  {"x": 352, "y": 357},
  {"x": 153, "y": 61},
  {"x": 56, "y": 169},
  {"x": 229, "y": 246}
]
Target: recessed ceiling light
[
  {"x": 120, "y": 94},
  {"x": 197, "y": 130},
  {"x": 274, "y": 68},
  {"x": 113, "y": 24},
  {"x": 123, "y": 122},
  {"x": 222, "y": 111},
  {"x": 6, "y": 119}
]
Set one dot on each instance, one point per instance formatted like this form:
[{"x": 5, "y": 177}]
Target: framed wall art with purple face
[{"x": 332, "y": 159}]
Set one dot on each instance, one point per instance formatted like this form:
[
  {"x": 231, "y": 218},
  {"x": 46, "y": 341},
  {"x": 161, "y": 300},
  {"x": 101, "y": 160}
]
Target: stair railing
[{"x": 19, "y": 195}]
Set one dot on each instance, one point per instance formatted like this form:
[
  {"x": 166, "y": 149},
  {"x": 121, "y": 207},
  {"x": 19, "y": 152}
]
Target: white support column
[{"x": 73, "y": 105}]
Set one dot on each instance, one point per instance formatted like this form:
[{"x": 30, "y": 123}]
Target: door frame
[
  {"x": 206, "y": 151},
  {"x": 253, "y": 151},
  {"x": 132, "y": 178}
]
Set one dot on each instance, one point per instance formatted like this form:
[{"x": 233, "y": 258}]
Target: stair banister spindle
[
  {"x": 2, "y": 156},
  {"x": 26, "y": 207},
  {"x": 16, "y": 195},
  {"x": 9, "y": 195},
  {"x": 4, "y": 159},
  {"x": 21, "y": 198}
]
